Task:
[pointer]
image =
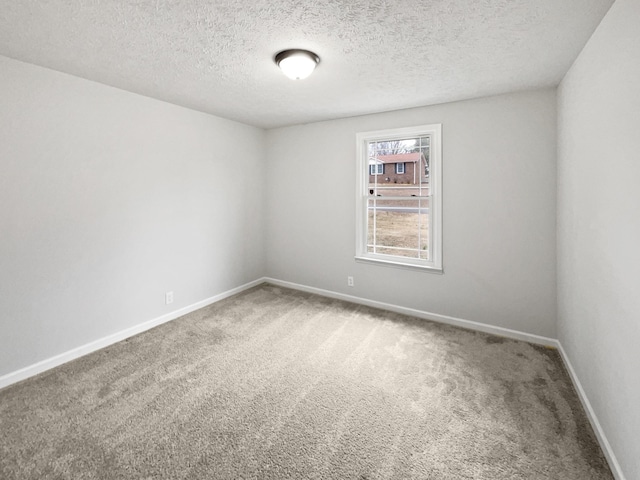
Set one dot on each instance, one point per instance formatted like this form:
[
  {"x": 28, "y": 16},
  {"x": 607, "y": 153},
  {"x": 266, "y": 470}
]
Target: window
[
  {"x": 400, "y": 223},
  {"x": 376, "y": 169}
]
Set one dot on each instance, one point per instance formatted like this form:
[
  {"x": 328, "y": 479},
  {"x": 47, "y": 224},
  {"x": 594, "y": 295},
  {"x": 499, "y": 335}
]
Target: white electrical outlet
[
  {"x": 350, "y": 281},
  {"x": 168, "y": 298}
]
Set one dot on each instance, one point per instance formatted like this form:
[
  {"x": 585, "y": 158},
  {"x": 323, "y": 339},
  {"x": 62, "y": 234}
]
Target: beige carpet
[{"x": 279, "y": 384}]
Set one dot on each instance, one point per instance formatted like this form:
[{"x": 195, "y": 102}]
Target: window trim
[
  {"x": 398, "y": 172},
  {"x": 434, "y": 264}
]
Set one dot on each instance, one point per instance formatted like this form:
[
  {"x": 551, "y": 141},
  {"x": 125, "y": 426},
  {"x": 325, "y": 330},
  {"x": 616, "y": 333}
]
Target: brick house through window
[{"x": 400, "y": 168}]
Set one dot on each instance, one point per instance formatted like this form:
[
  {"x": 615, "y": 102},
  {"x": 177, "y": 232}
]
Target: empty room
[{"x": 320, "y": 240}]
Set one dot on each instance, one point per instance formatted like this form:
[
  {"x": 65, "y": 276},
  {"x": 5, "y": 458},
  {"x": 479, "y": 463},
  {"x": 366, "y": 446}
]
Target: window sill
[{"x": 399, "y": 264}]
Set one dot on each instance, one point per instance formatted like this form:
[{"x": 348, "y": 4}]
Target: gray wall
[
  {"x": 110, "y": 199},
  {"x": 599, "y": 226},
  {"x": 499, "y": 247}
]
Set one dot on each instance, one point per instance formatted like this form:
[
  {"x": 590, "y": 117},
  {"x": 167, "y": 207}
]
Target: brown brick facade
[{"x": 390, "y": 176}]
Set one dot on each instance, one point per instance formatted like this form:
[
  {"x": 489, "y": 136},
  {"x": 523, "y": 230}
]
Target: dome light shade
[{"x": 297, "y": 64}]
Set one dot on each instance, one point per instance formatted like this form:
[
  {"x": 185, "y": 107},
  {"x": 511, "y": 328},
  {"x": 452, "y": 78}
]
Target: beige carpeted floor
[{"x": 279, "y": 384}]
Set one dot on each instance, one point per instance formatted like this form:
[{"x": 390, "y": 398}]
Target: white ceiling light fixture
[{"x": 297, "y": 64}]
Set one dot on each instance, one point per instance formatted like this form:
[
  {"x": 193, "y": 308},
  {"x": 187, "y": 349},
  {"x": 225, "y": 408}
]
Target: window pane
[
  {"x": 399, "y": 163},
  {"x": 398, "y": 227}
]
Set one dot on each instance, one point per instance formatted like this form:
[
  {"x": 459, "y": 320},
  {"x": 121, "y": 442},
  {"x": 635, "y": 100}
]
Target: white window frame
[
  {"x": 376, "y": 169},
  {"x": 398, "y": 172},
  {"x": 434, "y": 264}
]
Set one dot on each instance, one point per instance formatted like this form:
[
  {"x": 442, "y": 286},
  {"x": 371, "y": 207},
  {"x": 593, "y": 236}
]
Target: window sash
[{"x": 398, "y": 226}]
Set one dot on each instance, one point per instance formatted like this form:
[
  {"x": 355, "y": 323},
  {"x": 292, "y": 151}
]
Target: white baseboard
[
  {"x": 458, "y": 322},
  {"x": 591, "y": 415},
  {"x": 65, "y": 357}
]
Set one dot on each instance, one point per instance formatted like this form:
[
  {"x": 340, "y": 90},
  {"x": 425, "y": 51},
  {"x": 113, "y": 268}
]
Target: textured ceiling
[{"x": 376, "y": 55}]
